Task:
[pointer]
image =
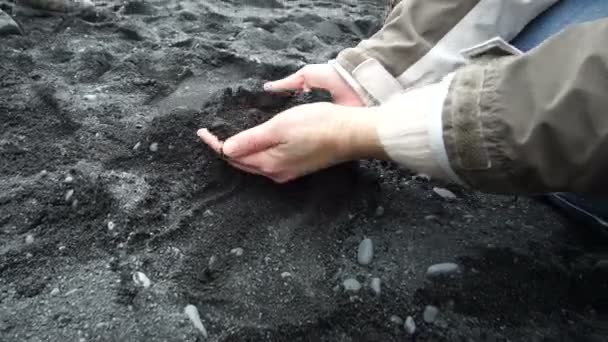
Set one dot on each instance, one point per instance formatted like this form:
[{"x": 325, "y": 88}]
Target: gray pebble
[
  {"x": 140, "y": 279},
  {"x": 410, "y": 325},
  {"x": 136, "y": 147},
  {"x": 154, "y": 147},
  {"x": 111, "y": 225},
  {"x": 444, "y": 269},
  {"x": 380, "y": 211},
  {"x": 237, "y": 251},
  {"x": 55, "y": 291},
  {"x": 375, "y": 285},
  {"x": 29, "y": 239},
  {"x": 396, "y": 320},
  {"x": 69, "y": 194},
  {"x": 192, "y": 312},
  {"x": 366, "y": 252},
  {"x": 351, "y": 285},
  {"x": 444, "y": 193},
  {"x": 90, "y": 97},
  {"x": 430, "y": 314},
  {"x": 212, "y": 262},
  {"x": 68, "y": 179}
]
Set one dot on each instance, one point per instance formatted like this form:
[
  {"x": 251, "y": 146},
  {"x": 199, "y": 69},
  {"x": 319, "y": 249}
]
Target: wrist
[{"x": 359, "y": 135}]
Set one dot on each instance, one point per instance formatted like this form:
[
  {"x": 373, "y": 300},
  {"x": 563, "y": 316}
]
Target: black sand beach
[{"x": 103, "y": 179}]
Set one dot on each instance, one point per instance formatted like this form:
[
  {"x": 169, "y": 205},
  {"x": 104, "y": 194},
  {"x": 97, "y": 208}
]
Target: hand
[
  {"x": 301, "y": 140},
  {"x": 322, "y": 76}
]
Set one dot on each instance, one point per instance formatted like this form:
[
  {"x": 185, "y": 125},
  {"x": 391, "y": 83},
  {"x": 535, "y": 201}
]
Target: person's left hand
[{"x": 301, "y": 140}]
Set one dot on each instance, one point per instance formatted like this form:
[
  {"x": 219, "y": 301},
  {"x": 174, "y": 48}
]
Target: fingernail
[
  {"x": 201, "y": 132},
  {"x": 267, "y": 86}
]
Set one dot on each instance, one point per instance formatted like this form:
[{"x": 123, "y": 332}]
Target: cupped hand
[
  {"x": 301, "y": 140},
  {"x": 321, "y": 76}
]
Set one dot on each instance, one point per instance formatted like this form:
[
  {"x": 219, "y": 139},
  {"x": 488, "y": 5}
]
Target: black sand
[{"x": 78, "y": 94}]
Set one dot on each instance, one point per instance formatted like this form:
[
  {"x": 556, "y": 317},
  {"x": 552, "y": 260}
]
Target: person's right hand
[{"x": 321, "y": 76}]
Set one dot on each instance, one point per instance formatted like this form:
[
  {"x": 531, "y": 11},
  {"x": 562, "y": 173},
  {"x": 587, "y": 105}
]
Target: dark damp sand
[{"x": 76, "y": 97}]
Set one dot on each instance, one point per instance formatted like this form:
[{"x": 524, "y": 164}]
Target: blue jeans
[{"x": 591, "y": 211}]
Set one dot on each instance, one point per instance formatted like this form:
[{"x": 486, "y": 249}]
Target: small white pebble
[
  {"x": 376, "y": 286},
  {"x": 141, "y": 280},
  {"x": 29, "y": 239},
  {"x": 444, "y": 269},
  {"x": 154, "y": 147},
  {"x": 444, "y": 193},
  {"x": 212, "y": 262},
  {"x": 285, "y": 275},
  {"x": 55, "y": 291},
  {"x": 192, "y": 312},
  {"x": 111, "y": 225},
  {"x": 351, "y": 285},
  {"x": 380, "y": 211},
  {"x": 69, "y": 194},
  {"x": 208, "y": 213},
  {"x": 396, "y": 320},
  {"x": 237, "y": 251},
  {"x": 410, "y": 325},
  {"x": 90, "y": 97},
  {"x": 137, "y": 146},
  {"x": 430, "y": 314},
  {"x": 431, "y": 218},
  {"x": 366, "y": 252},
  {"x": 61, "y": 248},
  {"x": 68, "y": 179}
]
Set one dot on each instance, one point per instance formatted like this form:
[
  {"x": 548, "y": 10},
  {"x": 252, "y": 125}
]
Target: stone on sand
[
  {"x": 376, "y": 286},
  {"x": 365, "y": 252},
  {"x": 410, "y": 325},
  {"x": 351, "y": 285},
  {"x": 444, "y": 193},
  {"x": 141, "y": 279},
  {"x": 237, "y": 251},
  {"x": 442, "y": 270},
  {"x": 430, "y": 313},
  {"x": 396, "y": 320},
  {"x": 192, "y": 312}
]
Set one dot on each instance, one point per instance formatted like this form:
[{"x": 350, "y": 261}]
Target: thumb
[{"x": 253, "y": 140}]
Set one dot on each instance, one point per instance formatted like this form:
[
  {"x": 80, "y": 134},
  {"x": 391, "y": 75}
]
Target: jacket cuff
[
  {"x": 474, "y": 130},
  {"x": 374, "y": 84},
  {"x": 410, "y": 130}
]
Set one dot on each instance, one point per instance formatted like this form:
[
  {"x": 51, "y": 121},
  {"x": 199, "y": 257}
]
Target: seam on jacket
[
  {"x": 488, "y": 19},
  {"x": 435, "y": 131}
]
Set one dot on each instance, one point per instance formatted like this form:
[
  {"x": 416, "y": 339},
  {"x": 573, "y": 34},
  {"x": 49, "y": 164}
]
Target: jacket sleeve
[
  {"x": 536, "y": 122},
  {"x": 423, "y": 40}
]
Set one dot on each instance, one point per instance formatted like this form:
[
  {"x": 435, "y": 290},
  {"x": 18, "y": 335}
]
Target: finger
[
  {"x": 293, "y": 82},
  {"x": 253, "y": 140},
  {"x": 245, "y": 168},
  {"x": 210, "y": 139}
]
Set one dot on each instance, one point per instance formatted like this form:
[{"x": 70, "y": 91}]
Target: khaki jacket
[{"x": 505, "y": 121}]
